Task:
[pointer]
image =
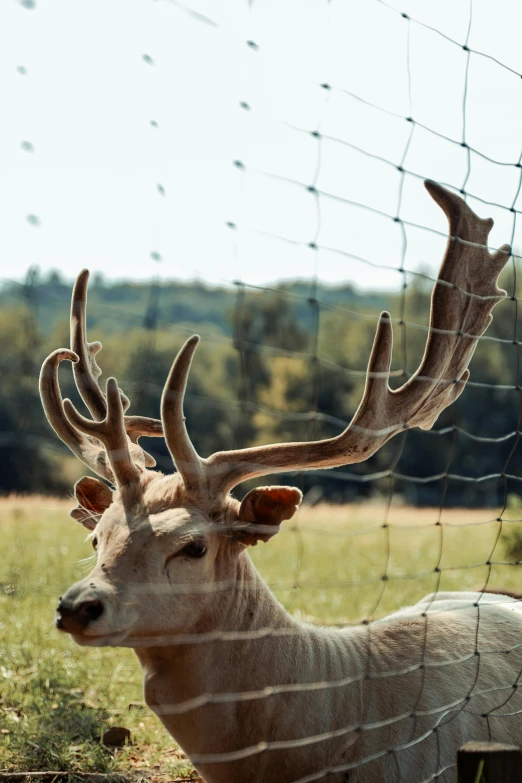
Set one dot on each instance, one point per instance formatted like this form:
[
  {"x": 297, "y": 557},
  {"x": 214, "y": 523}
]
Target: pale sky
[{"x": 104, "y": 188}]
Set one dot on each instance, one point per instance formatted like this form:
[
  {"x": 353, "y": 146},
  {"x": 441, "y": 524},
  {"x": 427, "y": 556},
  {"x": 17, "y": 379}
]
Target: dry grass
[{"x": 57, "y": 699}]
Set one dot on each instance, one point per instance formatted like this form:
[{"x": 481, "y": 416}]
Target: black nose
[
  {"x": 74, "y": 617},
  {"x": 89, "y": 611}
]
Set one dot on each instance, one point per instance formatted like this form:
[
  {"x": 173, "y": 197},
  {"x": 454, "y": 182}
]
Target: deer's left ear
[
  {"x": 93, "y": 498},
  {"x": 267, "y": 507}
]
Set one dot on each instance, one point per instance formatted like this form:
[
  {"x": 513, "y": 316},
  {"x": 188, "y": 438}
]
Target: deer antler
[
  {"x": 464, "y": 295},
  {"x": 79, "y": 434},
  {"x": 186, "y": 459},
  {"x": 87, "y": 372},
  {"x": 88, "y": 450},
  {"x": 111, "y": 432}
]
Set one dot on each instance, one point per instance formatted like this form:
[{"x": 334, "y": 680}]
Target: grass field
[{"x": 57, "y": 699}]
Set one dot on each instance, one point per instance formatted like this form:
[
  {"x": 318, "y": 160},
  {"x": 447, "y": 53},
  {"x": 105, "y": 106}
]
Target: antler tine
[
  {"x": 91, "y": 453},
  {"x": 87, "y": 372},
  {"x": 463, "y": 297},
  {"x": 139, "y": 426},
  {"x": 111, "y": 432},
  {"x": 183, "y": 453}
]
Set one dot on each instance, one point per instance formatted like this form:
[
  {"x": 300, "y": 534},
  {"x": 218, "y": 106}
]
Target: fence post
[{"x": 489, "y": 762}]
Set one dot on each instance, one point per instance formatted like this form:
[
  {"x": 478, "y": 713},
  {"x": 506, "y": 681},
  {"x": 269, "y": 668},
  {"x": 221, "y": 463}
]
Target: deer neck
[
  {"x": 180, "y": 681},
  {"x": 245, "y": 611}
]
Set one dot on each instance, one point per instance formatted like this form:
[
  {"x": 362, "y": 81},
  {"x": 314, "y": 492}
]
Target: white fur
[{"x": 390, "y": 701}]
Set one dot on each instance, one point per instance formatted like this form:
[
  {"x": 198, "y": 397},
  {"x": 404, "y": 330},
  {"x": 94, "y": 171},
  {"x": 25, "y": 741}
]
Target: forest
[{"x": 280, "y": 363}]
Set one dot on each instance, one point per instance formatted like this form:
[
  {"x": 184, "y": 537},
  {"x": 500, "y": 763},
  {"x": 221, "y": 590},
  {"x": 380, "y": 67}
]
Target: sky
[{"x": 151, "y": 138}]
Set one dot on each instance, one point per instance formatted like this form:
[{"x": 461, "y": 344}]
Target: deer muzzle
[{"x": 75, "y": 616}]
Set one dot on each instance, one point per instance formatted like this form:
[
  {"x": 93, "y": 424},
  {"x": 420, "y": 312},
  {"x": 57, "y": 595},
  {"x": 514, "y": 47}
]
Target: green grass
[{"x": 57, "y": 699}]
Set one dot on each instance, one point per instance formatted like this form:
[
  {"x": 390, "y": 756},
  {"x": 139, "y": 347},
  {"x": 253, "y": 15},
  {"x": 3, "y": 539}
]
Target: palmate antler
[
  {"x": 111, "y": 434},
  {"x": 463, "y": 297}
]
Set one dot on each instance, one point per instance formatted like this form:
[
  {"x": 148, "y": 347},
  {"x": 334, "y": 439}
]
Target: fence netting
[{"x": 322, "y": 121}]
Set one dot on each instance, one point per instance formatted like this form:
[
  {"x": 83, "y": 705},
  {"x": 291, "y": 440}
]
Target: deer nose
[{"x": 75, "y": 617}]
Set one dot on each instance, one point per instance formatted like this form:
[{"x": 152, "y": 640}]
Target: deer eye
[
  {"x": 194, "y": 549},
  {"x": 94, "y": 542}
]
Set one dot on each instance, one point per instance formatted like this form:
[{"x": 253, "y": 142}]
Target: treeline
[{"x": 281, "y": 364}]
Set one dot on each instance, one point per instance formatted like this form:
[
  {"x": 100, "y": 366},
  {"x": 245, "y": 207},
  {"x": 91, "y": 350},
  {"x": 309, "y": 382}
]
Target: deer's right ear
[{"x": 93, "y": 498}]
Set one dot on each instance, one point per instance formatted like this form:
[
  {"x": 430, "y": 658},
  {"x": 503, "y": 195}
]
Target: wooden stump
[{"x": 489, "y": 762}]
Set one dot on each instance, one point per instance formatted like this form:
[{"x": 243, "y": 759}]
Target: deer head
[{"x": 167, "y": 543}]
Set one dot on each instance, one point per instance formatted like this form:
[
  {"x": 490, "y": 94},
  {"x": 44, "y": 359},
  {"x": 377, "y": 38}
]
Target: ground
[{"x": 333, "y": 564}]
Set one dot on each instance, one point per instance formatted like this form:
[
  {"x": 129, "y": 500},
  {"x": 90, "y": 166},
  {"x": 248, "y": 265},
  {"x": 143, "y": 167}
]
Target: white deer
[{"x": 249, "y": 693}]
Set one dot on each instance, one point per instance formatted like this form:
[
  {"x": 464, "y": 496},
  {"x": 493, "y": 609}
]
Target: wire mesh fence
[{"x": 315, "y": 176}]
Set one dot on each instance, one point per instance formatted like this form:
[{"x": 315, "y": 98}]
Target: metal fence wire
[{"x": 504, "y": 391}]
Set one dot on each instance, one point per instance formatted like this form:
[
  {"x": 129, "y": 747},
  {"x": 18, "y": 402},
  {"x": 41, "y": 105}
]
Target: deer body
[
  {"x": 368, "y": 689},
  {"x": 249, "y": 693}
]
